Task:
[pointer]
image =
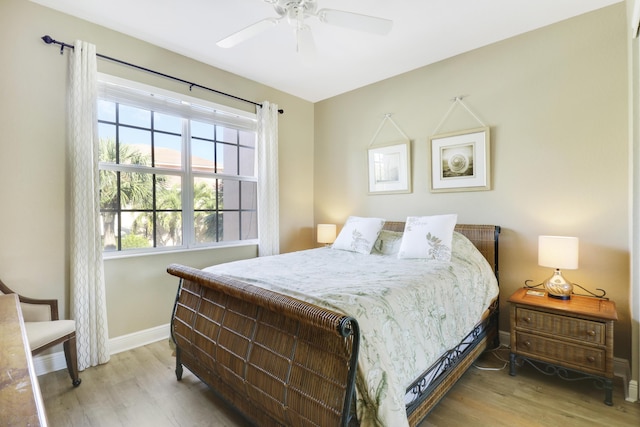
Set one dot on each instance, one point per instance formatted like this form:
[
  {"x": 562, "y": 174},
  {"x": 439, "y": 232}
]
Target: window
[{"x": 175, "y": 171}]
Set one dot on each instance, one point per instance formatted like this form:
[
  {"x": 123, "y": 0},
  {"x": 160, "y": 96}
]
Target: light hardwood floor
[{"x": 138, "y": 388}]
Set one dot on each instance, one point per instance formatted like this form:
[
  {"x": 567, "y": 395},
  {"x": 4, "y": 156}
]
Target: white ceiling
[{"x": 424, "y": 32}]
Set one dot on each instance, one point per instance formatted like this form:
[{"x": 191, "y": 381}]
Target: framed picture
[
  {"x": 390, "y": 168},
  {"x": 460, "y": 161}
]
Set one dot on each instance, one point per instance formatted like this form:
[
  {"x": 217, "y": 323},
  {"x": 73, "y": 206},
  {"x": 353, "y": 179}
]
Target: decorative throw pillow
[
  {"x": 428, "y": 237},
  {"x": 388, "y": 243},
  {"x": 358, "y": 234}
]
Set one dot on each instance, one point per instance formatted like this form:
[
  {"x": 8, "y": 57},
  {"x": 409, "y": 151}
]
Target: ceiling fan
[{"x": 296, "y": 11}]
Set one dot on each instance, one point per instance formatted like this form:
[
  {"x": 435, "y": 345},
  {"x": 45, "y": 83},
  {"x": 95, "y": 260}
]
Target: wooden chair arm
[{"x": 52, "y": 303}]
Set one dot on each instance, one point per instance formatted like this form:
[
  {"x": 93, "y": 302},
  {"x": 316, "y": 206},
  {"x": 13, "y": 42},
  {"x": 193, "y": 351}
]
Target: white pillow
[
  {"x": 358, "y": 234},
  {"x": 428, "y": 237}
]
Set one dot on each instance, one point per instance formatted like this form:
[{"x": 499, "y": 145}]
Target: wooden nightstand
[{"x": 572, "y": 339}]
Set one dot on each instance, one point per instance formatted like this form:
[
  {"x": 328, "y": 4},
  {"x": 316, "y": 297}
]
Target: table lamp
[
  {"x": 326, "y": 233},
  {"x": 558, "y": 252}
]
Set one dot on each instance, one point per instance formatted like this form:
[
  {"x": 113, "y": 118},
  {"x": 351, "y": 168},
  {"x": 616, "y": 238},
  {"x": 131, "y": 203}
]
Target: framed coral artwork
[{"x": 460, "y": 161}]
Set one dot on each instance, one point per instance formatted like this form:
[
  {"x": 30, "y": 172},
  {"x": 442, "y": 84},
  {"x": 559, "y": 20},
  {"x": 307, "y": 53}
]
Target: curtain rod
[{"x": 49, "y": 40}]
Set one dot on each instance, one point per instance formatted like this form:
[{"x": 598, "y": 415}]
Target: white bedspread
[{"x": 409, "y": 310}]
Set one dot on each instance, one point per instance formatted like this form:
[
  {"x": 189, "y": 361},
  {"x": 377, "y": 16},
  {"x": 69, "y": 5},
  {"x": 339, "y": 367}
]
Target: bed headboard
[{"x": 484, "y": 237}]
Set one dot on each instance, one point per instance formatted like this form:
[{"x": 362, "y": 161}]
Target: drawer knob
[
  {"x": 591, "y": 333},
  {"x": 527, "y": 319},
  {"x": 591, "y": 359},
  {"x": 527, "y": 343}
]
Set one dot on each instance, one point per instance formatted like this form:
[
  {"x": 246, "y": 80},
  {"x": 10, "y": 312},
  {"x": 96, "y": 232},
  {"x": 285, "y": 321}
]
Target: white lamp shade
[
  {"x": 326, "y": 233},
  {"x": 558, "y": 252}
]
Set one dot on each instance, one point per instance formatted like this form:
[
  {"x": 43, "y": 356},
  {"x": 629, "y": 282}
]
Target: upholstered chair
[{"x": 45, "y": 329}]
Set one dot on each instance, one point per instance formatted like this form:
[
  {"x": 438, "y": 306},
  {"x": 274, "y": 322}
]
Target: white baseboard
[
  {"x": 46, "y": 363},
  {"x": 621, "y": 368},
  {"x": 138, "y": 339},
  {"x": 633, "y": 391}
]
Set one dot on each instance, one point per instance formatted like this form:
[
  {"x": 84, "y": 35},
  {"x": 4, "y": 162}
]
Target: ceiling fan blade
[
  {"x": 248, "y": 32},
  {"x": 355, "y": 21},
  {"x": 305, "y": 45}
]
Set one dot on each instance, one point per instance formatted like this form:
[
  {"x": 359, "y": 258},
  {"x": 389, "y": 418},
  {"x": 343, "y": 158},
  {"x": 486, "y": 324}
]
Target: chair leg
[{"x": 71, "y": 355}]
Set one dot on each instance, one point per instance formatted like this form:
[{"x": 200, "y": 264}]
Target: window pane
[
  {"x": 224, "y": 134},
  {"x": 167, "y": 150},
  {"x": 109, "y": 231},
  {"x": 106, "y": 110},
  {"x": 135, "y": 146},
  {"x": 249, "y": 225},
  {"x": 107, "y": 142},
  {"x": 247, "y": 161},
  {"x": 229, "y": 194},
  {"x": 230, "y": 226},
  {"x": 202, "y": 155},
  {"x": 137, "y": 230},
  {"x": 249, "y": 195},
  {"x": 168, "y": 192},
  {"x": 205, "y": 196},
  {"x": 205, "y": 202},
  {"x": 136, "y": 190},
  {"x": 169, "y": 229},
  {"x": 206, "y": 226},
  {"x": 202, "y": 130},
  {"x": 108, "y": 190},
  {"x": 227, "y": 160},
  {"x": 247, "y": 139},
  {"x": 134, "y": 116},
  {"x": 167, "y": 123}
]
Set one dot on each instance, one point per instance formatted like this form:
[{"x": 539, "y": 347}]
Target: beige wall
[
  {"x": 556, "y": 101},
  {"x": 33, "y": 217}
]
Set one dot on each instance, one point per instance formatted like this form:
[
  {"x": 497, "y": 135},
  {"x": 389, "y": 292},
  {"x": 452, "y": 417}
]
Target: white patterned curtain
[
  {"x": 267, "y": 166},
  {"x": 87, "y": 268}
]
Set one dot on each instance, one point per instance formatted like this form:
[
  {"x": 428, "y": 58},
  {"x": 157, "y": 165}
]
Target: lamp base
[
  {"x": 558, "y": 287},
  {"x": 562, "y": 297}
]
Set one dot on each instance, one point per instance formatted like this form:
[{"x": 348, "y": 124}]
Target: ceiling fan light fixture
[
  {"x": 296, "y": 16},
  {"x": 297, "y": 11},
  {"x": 305, "y": 45}
]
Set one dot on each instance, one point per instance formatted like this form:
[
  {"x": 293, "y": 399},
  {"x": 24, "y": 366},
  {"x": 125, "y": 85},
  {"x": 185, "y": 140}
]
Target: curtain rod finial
[{"x": 47, "y": 39}]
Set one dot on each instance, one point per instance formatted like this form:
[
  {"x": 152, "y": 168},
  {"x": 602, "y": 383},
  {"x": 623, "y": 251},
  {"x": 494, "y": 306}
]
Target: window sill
[{"x": 106, "y": 256}]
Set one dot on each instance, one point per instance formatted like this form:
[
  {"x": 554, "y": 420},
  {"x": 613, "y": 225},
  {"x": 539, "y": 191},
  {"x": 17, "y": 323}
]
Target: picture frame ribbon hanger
[
  {"x": 386, "y": 117},
  {"x": 457, "y": 101}
]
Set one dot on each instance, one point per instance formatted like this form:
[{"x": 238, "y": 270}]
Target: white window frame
[{"x": 136, "y": 94}]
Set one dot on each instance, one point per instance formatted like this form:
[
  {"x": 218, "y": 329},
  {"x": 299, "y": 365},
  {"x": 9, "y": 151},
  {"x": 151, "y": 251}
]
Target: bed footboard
[{"x": 278, "y": 360}]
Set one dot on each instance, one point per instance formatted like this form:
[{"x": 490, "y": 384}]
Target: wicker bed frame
[{"x": 282, "y": 361}]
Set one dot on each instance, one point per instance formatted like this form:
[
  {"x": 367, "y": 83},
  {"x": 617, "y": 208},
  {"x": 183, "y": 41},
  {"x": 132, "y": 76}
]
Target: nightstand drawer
[
  {"x": 562, "y": 326},
  {"x": 563, "y": 353}
]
